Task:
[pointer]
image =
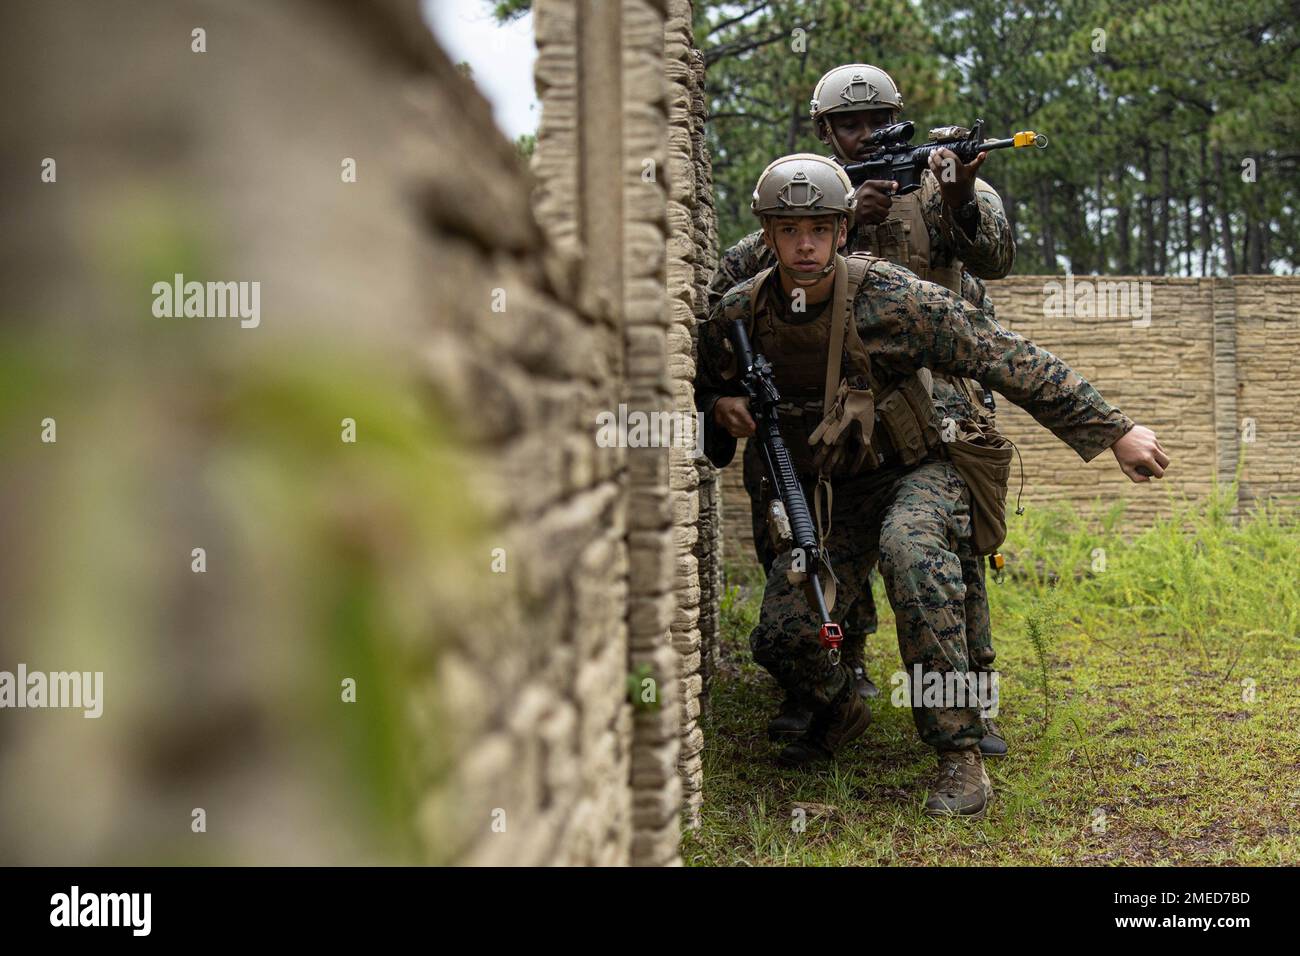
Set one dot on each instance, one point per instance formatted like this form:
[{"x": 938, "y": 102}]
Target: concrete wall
[{"x": 1205, "y": 374}]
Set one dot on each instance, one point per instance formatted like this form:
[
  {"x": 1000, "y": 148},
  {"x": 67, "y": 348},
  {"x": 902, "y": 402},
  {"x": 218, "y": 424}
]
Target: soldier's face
[
  {"x": 851, "y": 131},
  {"x": 805, "y": 244}
]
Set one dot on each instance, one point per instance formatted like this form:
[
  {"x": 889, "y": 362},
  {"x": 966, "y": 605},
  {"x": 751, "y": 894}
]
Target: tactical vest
[
  {"x": 904, "y": 239},
  {"x": 905, "y": 415}
]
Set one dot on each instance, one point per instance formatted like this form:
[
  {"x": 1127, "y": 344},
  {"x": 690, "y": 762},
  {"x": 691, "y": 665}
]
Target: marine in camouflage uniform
[
  {"x": 915, "y": 516},
  {"x": 959, "y": 252}
]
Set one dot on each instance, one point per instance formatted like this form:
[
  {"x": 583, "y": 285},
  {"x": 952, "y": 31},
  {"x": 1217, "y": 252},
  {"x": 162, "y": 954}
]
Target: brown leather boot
[
  {"x": 862, "y": 684},
  {"x": 961, "y": 788},
  {"x": 831, "y": 727}
]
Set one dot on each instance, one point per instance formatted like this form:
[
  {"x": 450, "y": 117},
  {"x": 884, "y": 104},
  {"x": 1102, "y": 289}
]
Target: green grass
[{"x": 1126, "y": 677}]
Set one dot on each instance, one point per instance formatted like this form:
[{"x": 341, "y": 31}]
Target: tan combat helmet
[
  {"x": 855, "y": 86},
  {"x": 804, "y": 184}
]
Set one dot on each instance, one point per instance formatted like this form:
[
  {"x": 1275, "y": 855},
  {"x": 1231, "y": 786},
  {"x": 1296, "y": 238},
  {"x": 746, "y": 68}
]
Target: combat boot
[
  {"x": 862, "y": 683},
  {"x": 961, "y": 788},
  {"x": 791, "y": 720},
  {"x": 831, "y": 727},
  {"x": 855, "y": 649},
  {"x": 993, "y": 744}
]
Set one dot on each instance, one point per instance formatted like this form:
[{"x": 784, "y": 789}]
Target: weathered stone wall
[
  {"x": 1204, "y": 374},
  {"x": 1267, "y": 358},
  {"x": 690, "y": 221},
  {"x": 521, "y": 608}
]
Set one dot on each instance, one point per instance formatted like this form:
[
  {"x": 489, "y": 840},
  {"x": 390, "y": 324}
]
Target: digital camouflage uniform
[
  {"x": 990, "y": 255},
  {"x": 916, "y": 519}
]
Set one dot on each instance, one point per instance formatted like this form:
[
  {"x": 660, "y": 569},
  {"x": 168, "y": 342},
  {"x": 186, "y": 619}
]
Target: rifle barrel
[{"x": 1024, "y": 138}]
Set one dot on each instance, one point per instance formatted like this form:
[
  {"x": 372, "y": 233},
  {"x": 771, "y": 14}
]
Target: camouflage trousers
[
  {"x": 917, "y": 524},
  {"x": 859, "y": 618}
]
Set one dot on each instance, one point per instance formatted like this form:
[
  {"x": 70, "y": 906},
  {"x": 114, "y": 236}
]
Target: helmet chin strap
[
  {"x": 802, "y": 278},
  {"x": 834, "y": 141}
]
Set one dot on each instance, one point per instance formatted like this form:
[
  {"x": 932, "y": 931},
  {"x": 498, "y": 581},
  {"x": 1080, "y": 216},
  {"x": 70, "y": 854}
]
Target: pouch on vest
[
  {"x": 983, "y": 459},
  {"x": 907, "y": 413}
]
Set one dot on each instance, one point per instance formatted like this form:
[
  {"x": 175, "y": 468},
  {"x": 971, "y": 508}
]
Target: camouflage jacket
[
  {"x": 990, "y": 255},
  {"x": 907, "y": 324}
]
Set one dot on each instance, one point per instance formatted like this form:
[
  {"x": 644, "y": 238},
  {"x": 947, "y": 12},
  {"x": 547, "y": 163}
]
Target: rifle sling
[{"x": 839, "y": 320}]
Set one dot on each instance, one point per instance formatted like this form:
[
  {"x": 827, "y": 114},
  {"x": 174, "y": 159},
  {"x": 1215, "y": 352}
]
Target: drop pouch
[{"x": 983, "y": 458}]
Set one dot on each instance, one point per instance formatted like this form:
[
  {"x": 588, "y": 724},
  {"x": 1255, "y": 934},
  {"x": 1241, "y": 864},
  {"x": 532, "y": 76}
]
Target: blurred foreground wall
[{"x": 360, "y": 582}]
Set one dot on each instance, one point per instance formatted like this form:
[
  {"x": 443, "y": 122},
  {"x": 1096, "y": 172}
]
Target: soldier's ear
[
  {"x": 767, "y": 234},
  {"x": 844, "y": 233},
  {"x": 824, "y": 131}
]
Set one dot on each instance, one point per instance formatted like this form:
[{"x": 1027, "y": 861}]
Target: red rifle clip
[{"x": 831, "y": 636}]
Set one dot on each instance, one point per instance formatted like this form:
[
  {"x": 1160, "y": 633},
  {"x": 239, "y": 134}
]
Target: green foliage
[
  {"x": 1150, "y": 654},
  {"x": 1154, "y": 110},
  {"x": 1151, "y": 109},
  {"x": 761, "y": 73},
  {"x": 1210, "y": 582},
  {"x": 507, "y": 11},
  {"x": 1040, "y": 630}
]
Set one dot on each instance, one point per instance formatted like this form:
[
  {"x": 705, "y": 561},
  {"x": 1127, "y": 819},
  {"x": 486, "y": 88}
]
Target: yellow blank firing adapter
[{"x": 1029, "y": 138}]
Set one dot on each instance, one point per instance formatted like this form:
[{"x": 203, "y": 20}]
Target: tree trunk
[
  {"x": 1244, "y": 258},
  {"x": 1163, "y": 267},
  {"x": 1009, "y": 205},
  {"x": 1253, "y": 254},
  {"x": 792, "y": 134},
  {"x": 1147, "y": 248},
  {"x": 1206, "y": 240},
  {"x": 1101, "y": 198},
  {"x": 1078, "y": 239},
  {"x": 1225, "y": 222},
  {"x": 1123, "y": 221},
  {"x": 1048, "y": 240}
]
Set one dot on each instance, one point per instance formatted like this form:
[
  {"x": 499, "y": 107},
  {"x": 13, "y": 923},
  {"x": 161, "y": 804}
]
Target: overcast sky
[{"x": 502, "y": 58}]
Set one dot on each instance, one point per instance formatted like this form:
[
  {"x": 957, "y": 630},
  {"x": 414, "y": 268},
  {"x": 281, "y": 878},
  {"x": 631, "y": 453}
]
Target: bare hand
[
  {"x": 732, "y": 413},
  {"x": 875, "y": 197},
  {"x": 956, "y": 179},
  {"x": 1140, "y": 454}
]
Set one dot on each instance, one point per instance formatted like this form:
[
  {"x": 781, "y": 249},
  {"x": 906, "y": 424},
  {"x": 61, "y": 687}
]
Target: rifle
[
  {"x": 903, "y": 163},
  {"x": 792, "y": 524}
]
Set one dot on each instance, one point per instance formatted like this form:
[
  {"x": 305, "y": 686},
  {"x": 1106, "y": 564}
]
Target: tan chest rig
[
  {"x": 904, "y": 239},
  {"x": 838, "y": 418}
]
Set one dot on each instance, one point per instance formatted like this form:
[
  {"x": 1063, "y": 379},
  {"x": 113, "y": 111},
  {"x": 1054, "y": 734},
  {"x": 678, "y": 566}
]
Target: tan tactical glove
[{"x": 845, "y": 430}]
